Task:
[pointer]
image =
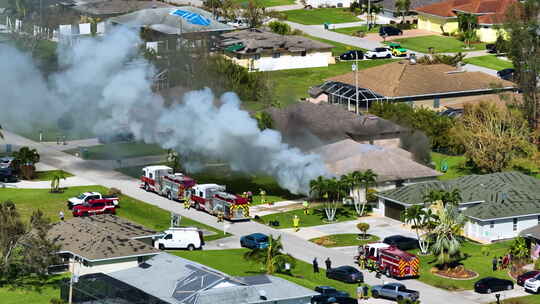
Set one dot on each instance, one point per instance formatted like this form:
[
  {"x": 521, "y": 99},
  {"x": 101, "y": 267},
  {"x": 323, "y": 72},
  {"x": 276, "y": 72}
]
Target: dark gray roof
[
  {"x": 116, "y": 7},
  {"x": 390, "y": 5},
  {"x": 533, "y": 232},
  {"x": 177, "y": 280},
  {"x": 258, "y": 41},
  {"x": 101, "y": 237},
  {"x": 494, "y": 196}
]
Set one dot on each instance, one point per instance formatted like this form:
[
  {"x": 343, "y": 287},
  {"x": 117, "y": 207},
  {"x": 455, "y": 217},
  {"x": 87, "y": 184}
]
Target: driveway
[{"x": 406, "y": 34}]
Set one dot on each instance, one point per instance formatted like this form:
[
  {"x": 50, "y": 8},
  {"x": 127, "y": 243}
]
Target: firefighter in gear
[
  {"x": 296, "y": 223},
  {"x": 187, "y": 204},
  {"x": 262, "y": 193},
  {"x": 220, "y": 216},
  {"x": 362, "y": 261},
  {"x": 305, "y": 204}
]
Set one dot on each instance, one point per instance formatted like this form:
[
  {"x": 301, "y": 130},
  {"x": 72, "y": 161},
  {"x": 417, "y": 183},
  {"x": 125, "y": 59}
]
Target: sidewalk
[{"x": 73, "y": 181}]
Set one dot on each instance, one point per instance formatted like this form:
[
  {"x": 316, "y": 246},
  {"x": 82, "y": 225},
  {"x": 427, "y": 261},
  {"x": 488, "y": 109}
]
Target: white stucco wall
[
  {"x": 321, "y": 3},
  {"x": 502, "y": 229},
  {"x": 288, "y": 61}
]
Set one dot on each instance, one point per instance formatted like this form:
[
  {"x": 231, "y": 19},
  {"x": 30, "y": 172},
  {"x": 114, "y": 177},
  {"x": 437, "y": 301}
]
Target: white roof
[
  {"x": 91, "y": 193},
  {"x": 378, "y": 245},
  {"x": 208, "y": 186},
  {"x": 154, "y": 168}
]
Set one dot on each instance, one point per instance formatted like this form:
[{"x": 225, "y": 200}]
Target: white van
[{"x": 189, "y": 238}]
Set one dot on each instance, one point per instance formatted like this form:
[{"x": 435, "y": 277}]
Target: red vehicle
[
  {"x": 163, "y": 181},
  {"x": 91, "y": 198},
  {"x": 391, "y": 261},
  {"x": 88, "y": 209},
  {"x": 525, "y": 276},
  {"x": 213, "y": 199}
]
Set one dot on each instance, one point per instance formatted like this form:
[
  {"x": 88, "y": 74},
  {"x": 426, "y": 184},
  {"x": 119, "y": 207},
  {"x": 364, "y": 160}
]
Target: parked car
[
  {"x": 506, "y": 74},
  {"x": 336, "y": 300},
  {"x": 5, "y": 162},
  {"x": 379, "y": 53},
  {"x": 525, "y": 276},
  {"x": 397, "y": 50},
  {"x": 93, "y": 208},
  {"x": 394, "y": 291},
  {"x": 401, "y": 242},
  {"x": 491, "y": 284},
  {"x": 347, "y": 274},
  {"x": 390, "y": 31},
  {"x": 189, "y": 238},
  {"x": 533, "y": 284},
  {"x": 7, "y": 175},
  {"x": 352, "y": 55},
  {"x": 491, "y": 48},
  {"x": 254, "y": 240},
  {"x": 91, "y": 197},
  {"x": 327, "y": 292}
]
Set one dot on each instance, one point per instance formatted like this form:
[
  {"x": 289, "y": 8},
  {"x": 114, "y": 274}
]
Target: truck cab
[
  {"x": 152, "y": 174},
  {"x": 189, "y": 238},
  {"x": 201, "y": 194},
  {"x": 90, "y": 197}
]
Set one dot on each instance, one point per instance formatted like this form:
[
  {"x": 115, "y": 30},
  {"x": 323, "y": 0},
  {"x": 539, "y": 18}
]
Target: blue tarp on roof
[{"x": 191, "y": 17}]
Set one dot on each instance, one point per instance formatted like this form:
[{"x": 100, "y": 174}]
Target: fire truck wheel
[
  {"x": 146, "y": 188},
  {"x": 190, "y": 247},
  {"x": 374, "y": 294}
]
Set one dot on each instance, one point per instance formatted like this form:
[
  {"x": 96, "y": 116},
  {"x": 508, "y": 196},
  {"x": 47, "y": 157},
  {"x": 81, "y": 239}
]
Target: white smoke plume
[{"x": 107, "y": 87}]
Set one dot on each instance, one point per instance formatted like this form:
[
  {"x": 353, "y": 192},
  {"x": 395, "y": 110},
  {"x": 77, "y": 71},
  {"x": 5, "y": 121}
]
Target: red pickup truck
[
  {"x": 92, "y": 198},
  {"x": 93, "y": 208}
]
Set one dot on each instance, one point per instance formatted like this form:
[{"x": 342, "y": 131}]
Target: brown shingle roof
[
  {"x": 489, "y": 11},
  {"x": 101, "y": 237},
  {"x": 403, "y": 79}
]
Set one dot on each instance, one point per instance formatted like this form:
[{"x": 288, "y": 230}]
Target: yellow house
[{"x": 443, "y": 16}]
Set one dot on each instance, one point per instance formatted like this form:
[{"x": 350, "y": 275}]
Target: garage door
[{"x": 393, "y": 210}]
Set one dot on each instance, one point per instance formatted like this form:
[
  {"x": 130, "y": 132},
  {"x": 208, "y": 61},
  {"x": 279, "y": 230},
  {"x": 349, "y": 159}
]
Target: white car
[
  {"x": 189, "y": 238},
  {"x": 379, "y": 53},
  {"x": 533, "y": 284}
]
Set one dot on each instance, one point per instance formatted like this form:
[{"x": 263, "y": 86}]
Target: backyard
[
  {"x": 291, "y": 85},
  {"x": 32, "y": 292},
  {"x": 476, "y": 260},
  {"x": 490, "y": 62},
  {"x": 231, "y": 261},
  {"x": 119, "y": 151},
  {"x": 315, "y": 217},
  {"x": 236, "y": 182},
  {"x": 440, "y": 44},
  {"x": 29, "y": 200},
  {"x": 321, "y": 15},
  {"x": 344, "y": 239}
]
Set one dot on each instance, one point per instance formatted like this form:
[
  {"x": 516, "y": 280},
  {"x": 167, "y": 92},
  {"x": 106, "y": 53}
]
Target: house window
[
  {"x": 492, "y": 224},
  {"x": 276, "y": 55},
  {"x": 514, "y": 226}
]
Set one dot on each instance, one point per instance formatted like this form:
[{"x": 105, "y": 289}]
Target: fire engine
[
  {"x": 163, "y": 181},
  {"x": 392, "y": 261},
  {"x": 213, "y": 199}
]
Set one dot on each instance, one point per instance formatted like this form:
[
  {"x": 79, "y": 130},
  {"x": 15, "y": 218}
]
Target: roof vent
[
  {"x": 144, "y": 265},
  {"x": 412, "y": 58},
  {"x": 504, "y": 196},
  {"x": 262, "y": 295}
]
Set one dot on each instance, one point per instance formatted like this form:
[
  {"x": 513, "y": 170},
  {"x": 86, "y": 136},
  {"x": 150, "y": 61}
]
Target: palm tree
[
  {"x": 402, "y": 7},
  {"x": 25, "y": 159},
  {"x": 419, "y": 219},
  {"x": 174, "y": 160},
  {"x": 55, "y": 182},
  {"x": 467, "y": 24},
  {"x": 369, "y": 179},
  {"x": 272, "y": 257},
  {"x": 357, "y": 180},
  {"x": 441, "y": 198},
  {"x": 318, "y": 187},
  {"x": 447, "y": 235},
  {"x": 334, "y": 191}
]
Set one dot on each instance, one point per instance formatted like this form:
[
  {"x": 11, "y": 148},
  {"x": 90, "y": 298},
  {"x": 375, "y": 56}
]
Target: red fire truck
[
  {"x": 213, "y": 199},
  {"x": 392, "y": 261},
  {"x": 163, "y": 181}
]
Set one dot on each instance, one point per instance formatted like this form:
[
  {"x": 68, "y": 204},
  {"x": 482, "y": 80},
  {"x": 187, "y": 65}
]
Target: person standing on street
[
  {"x": 494, "y": 263},
  {"x": 328, "y": 263},
  {"x": 315, "y": 266},
  {"x": 296, "y": 223},
  {"x": 61, "y": 215}
]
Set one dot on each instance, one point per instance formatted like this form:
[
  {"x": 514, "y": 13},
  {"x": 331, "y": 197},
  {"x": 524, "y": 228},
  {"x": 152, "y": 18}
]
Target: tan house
[
  {"x": 260, "y": 50},
  {"x": 443, "y": 16},
  {"x": 437, "y": 86}
]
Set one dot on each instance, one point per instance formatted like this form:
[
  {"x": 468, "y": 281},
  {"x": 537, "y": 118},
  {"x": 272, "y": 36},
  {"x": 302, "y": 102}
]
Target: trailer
[
  {"x": 213, "y": 199},
  {"x": 162, "y": 180}
]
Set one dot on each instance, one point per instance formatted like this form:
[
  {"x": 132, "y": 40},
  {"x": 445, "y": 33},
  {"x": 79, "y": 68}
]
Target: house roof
[
  {"x": 256, "y": 41},
  {"x": 308, "y": 125},
  {"x": 390, "y": 164},
  {"x": 488, "y": 11},
  {"x": 494, "y": 196},
  {"x": 533, "y": 232},
  {"x": 101, "y": 237},
  {"x": 390, "y": 5},
  {"x": 178, "y": 280},
  {"x": 116, "y": 7},
  {"x": 173, "y": 21},
  {"x": 401, "y": 78}
]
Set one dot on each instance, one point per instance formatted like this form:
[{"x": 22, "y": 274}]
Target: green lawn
[
  {"x": 315, "y": 217},
  {"x": 267, "y": 3},
  {"x": 28, "y": 200},
  {"x": 490, "y": 62},
  {"x": 456, "y": 165},
  {"x": 441, "y": 44},
  {"x": 291, "y": 85},
  {"x": 352, "y": 30},
  {"x": 35, "y": 293},
  {"x": 120, "y": 150},
  {"x": 231, "y": 261},
  {"x": 475, "y": 261},
  {"x": 50, "y": 132},
  {"x": 235, "y": 182},
  {"x": 344, "y": 239},
  {"x": 339, "y": 48},
  {"x": 48, "y": 175},
  {"x": 321, "y": 15}
]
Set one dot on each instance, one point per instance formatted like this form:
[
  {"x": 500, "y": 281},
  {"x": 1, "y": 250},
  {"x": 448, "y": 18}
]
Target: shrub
[
  {"x": 280, "y": 28},
  {"x": 537, "y": 264},
  {"x": 360, "y": 34},
  {"x": 277, "y": 15},
  {"x": 114, "y": 192}
]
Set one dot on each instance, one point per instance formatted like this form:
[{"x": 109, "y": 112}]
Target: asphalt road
[{"x": 301, "y": 249}]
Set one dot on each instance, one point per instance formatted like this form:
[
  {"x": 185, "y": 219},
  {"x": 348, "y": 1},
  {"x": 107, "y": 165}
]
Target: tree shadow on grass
[{"x": 341, "y": 212}]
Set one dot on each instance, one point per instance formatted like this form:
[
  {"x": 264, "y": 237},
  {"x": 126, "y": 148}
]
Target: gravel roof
[{"x": 497, "y": 195}]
